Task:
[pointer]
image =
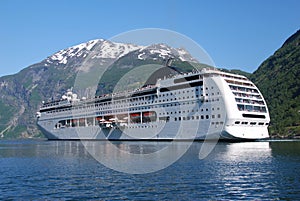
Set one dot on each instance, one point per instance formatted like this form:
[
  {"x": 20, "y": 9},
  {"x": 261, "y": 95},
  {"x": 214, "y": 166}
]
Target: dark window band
[
  {"x": 182, "y": 86},
  {"x": 254, "y": 116}
]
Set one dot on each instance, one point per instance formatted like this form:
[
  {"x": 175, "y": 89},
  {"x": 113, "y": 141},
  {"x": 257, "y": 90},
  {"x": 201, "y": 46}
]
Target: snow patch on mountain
[
  {"x": 77, "y": 50},
  {"x": 104, "y": 49},
  {"x": 112, "y": 50},
  {"x": 184, "y": 55}
]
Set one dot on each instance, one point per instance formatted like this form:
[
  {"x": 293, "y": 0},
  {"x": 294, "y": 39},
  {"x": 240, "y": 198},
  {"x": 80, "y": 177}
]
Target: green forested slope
[{"x": 278, "y": 78}]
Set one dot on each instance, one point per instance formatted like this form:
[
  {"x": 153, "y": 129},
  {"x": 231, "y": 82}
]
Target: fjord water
[{"x": 64, "y": 170}]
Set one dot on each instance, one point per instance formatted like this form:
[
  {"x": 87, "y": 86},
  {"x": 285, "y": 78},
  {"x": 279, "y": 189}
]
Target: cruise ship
[{"x": 203, "y": 104}]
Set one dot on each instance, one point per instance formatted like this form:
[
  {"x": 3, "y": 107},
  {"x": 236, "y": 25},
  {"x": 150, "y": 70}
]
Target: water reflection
[
  {"x": 257, "y": 170},
  {"x": 37, "y": 169},
  {"x": 285, "y": 148},
  {"x": 136, "y": 157},
  {"x": 247, "y": 151},
  {"x": 41, "y": 148}
]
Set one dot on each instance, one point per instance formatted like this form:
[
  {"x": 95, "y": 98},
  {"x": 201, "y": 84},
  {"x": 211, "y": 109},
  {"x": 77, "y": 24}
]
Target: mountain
[
  {"x": 22, "y": 94},
  {"x": 278, "y": 78}
]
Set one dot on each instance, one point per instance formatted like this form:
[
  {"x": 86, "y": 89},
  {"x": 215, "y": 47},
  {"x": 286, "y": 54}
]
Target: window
[{"x": 240, "y": 107}]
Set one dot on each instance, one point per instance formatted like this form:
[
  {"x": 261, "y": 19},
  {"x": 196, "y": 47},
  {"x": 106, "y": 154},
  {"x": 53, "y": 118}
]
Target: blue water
[{"x": 64, "y": 170}]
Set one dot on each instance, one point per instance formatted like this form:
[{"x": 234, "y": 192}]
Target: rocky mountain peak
[{"x": 105, "y": 49}]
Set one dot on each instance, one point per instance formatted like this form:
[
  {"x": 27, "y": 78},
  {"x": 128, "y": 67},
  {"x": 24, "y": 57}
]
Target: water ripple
[{"x": 50, "y": 170}]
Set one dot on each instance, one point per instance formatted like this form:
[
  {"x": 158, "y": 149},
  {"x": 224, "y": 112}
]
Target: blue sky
[{"x": 236, "y": 34}]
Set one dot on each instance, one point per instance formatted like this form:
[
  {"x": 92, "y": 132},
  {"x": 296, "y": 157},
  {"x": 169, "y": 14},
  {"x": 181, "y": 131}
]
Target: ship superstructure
[{"x": 205, "y": 103}]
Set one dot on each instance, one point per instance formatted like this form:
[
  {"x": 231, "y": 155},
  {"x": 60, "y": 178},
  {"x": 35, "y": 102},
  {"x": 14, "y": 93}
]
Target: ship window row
[
  {"x": 146, "y": 99},
  {"x": 163, "y": 94},
  {"x": 81, "y": 122},
  {"x": 243, "y": 89},
  {"x": 109, "y": 106},
  {"x": 147, "y": 117},
  {"x": 52, "y": 103},
  {"x": 233, "y": 77},
  {"x": 197, "y": 117},
  {"x": 171, "y": 99},
  {"x": 149, "y": 100},
  {"x": 109, "y": 109},
  {"x": 217, "y": 123},
  {"x": 111, "y": 120},
  {"x": 251, "y": 123},
  {"x": 218, "y": 93},
  {"x": 190, "y": 111},
  {"x": 58, "y": 110},
  {"x": 244, "y": 95},
  {"x": 143, "y": 126},
  {"x": 239, "y": 83},
  {"x": 240, "y": 100},
  {"x": 153, "y": 106},
  {"x": 251, "y": 108}
]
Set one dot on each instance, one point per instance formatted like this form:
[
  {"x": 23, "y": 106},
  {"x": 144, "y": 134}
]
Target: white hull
[{"x": 168, "y": 133}]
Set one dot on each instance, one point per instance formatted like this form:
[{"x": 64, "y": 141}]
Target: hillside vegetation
[{"x": 278, "y": 78}]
